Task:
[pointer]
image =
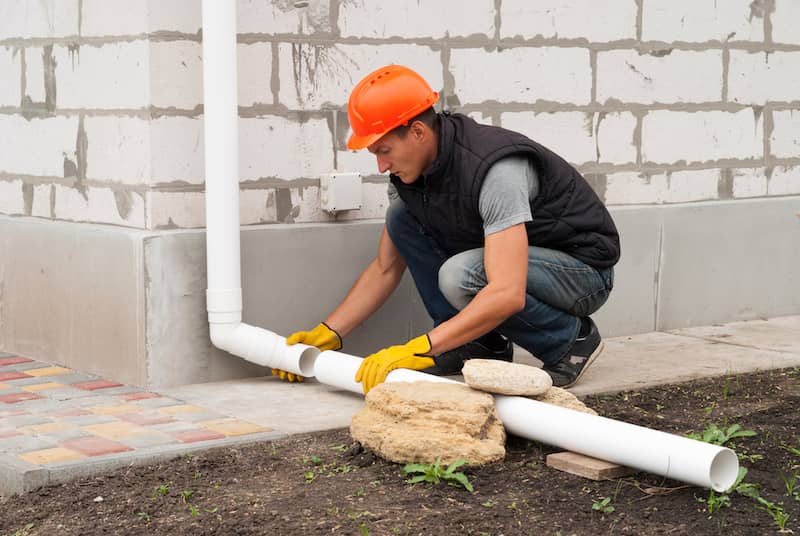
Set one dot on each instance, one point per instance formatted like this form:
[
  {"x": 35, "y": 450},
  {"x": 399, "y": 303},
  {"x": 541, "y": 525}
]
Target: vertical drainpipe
[{"x": 221, "y": 135}]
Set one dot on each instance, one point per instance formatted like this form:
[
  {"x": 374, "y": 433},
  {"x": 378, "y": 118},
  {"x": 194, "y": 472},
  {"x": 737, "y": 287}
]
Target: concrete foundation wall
[{"x": 130, "y": 305}]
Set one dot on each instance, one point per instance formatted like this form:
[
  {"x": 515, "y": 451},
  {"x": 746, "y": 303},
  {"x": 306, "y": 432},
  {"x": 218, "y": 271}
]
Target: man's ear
[{"x": 419, "y": 130}]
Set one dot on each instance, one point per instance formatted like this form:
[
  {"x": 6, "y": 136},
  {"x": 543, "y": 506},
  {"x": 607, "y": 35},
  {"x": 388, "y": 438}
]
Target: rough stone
[
  {"x": 505, "y": 378},
  {"x": 561, "y": 397},
  {"x": 422, "y": 421}
]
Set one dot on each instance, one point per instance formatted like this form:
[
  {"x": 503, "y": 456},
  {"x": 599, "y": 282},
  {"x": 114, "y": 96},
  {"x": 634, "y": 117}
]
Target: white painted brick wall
[
  {"x": 615, "y": 137},
  {"x": 175, "y": 209},
  {"x": 118, "y": 149},
  {"x": 176, "y": 74},
  {"x": 669, "y": 137},
  {"x": 276, "y": 147},
  {"x": 100, "y": 207},
  {"x": 11, "y": 199},
  {"x": 784, "y": 22},
  {"x": 785, "y": 138},
  {"x": 37, "y": 146},
  {"x": 680, "y": 76},
  {"x": 327, "y": 74},
  {"x": 758, "y": 77},
  {"x": 176, "y": 145},
  {"x": 568, "y": 134},
  {"x": 175, "y": 16},
  {"x": 749, "y": 182},
  {"x": 784, "y": 181},
  {"x": 40, "y": 18},
  {"x": 114, "y": 17},
  {"x": 34, "y": 74},
  {"x": 700, "y": 20},
  {"x": 374, "y": 201},
  {"x": 258, "y": 16},
  {"x": 254, "y": 73},
  {"x": 416, "y": 18},
  {"x": 41, "y": 200},
  {"x": 676, "y": 187},
  {"x": 576, "y": 137},
  {"x": 361, "y": 161},
  {"x": 11, "y": 73},
  {"x": 594, "y": 21},
  {"x": 104, "y": 77},
  {"x": 522, "y": 74}
]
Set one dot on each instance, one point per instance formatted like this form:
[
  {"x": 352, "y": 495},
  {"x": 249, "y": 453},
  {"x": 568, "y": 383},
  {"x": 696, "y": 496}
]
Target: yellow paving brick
[
  {"x": 114, "y": 430},
  {"x": 43, "y": 428},
  {"x": 233, "y": 428},
  {"x": 4, "y": 386},
  {"x": 58, "y": 454},
  {"x": 48, "y": 371},
  {"x": 42, "y": 386},
  {"x": 183, "y": 408},
  {"x": 113, "y": 409}
]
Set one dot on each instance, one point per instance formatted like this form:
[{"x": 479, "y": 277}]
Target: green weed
[
  {"x": 161, "y": 490},
  {"x": 144, "y": 516},
  {"x": 23, "y": 531},
  {"x": 719, "y": 436},
  {"x": 435, "y": 473},
  {"x": 603, "y": 505}
]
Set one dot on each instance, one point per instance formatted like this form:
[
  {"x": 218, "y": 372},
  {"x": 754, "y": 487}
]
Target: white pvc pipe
[
  {"x": 656, "y": 452},
  {"x": 660, "y": 453},
  {"x": 221, "y": 134}
]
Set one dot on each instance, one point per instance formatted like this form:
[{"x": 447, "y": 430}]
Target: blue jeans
[{"x": 560, "y": 289}]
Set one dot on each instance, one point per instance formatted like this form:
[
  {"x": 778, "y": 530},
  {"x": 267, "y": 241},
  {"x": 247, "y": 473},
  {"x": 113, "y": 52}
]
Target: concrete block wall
[{"x": 657, "y": 101}]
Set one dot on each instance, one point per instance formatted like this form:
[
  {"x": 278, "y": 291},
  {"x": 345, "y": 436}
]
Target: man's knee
[{"x": 457, "y": 278}]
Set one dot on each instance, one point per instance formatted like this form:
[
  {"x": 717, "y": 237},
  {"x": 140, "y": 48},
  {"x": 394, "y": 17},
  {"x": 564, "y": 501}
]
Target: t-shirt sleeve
[{"x": 508, "y": 189}]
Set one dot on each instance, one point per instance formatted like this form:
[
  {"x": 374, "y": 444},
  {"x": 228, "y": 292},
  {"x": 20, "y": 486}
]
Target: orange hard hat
[{"x": 385, "y": 99}]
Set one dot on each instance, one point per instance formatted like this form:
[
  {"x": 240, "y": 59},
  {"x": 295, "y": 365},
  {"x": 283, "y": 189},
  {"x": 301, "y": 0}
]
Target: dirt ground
[{"x": 324, "y": 483}]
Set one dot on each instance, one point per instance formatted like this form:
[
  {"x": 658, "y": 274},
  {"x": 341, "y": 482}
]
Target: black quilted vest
[{"x": 567, "y": 214}]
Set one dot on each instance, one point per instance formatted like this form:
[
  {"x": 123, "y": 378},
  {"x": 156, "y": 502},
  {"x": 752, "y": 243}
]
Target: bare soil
[{"x": 325, "y": 483}]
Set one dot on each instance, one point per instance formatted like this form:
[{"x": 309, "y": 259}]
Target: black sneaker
[
  {"x": 451, "y": 362},
  {"x": 583, "y": 352}
]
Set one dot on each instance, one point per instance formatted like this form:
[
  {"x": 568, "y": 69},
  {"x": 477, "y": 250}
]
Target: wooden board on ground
[{"x": 587, "y": 467}]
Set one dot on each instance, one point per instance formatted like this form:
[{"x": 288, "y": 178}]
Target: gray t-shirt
[{"x": 505, "y": 199}]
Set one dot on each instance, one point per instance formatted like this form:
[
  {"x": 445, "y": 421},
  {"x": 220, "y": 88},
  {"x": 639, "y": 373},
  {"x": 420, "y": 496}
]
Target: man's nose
[{"x": 383, "y": 165}]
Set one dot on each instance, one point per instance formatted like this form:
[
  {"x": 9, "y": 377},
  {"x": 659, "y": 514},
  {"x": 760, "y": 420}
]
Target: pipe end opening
[
  {"x": 306, "y": 361},
  {"x": 724, "y": 470}
]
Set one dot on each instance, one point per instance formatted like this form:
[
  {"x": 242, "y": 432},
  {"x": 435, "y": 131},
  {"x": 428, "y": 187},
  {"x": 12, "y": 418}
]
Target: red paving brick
[
  {"x": 191, "y": 436},
  {"x": 13, "y": 375},
  {"x": 13, "y": 360},
  {"x": 145, "y": 419},
  {"x": 18, "y": 397},
  {"x": 96, "y": 384},
  {"x": 139, "y": 396},
  {"x": 94, "y": 446},
  {"x": 10, "y": 433},
  {"x": 12, "y": 412}
]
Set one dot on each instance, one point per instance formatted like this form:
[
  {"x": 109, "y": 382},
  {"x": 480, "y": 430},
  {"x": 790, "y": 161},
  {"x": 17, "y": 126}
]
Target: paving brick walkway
[{"x": 55, "y": 424}]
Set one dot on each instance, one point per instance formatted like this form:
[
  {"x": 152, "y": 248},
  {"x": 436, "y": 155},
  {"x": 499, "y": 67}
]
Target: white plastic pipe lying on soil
[
  {"x": 656, "y": 452},
  {"x": 660, "y": 453}
]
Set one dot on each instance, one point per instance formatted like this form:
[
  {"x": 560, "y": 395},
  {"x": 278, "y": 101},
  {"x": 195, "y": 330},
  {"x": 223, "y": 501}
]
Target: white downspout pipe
[
  {"x": 221, "y": 135},
  {"x": 656, "y": 452}
]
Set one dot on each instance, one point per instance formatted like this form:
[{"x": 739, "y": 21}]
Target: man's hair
[{"x": 428, "y": 117}]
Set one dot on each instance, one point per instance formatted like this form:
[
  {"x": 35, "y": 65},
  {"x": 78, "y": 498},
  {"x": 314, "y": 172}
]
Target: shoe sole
[{"x": 597, "y": 352}]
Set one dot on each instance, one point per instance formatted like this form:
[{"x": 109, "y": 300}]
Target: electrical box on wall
[{"x": 340, "y": 191}]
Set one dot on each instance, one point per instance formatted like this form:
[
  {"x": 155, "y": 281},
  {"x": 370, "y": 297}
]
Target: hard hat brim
[{"x": 360, "y": 142}]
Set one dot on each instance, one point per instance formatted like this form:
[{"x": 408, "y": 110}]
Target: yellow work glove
[
  {"x": 411, "y": 355},
  {"x": 321, "y": 336}
]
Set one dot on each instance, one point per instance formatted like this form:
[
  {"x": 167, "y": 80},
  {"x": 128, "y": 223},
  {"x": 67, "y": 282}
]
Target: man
[{"x": 506, "y": 242}]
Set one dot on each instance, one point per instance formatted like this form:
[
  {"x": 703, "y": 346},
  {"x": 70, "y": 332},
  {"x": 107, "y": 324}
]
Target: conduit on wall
[{"x": 648, "y": 450}]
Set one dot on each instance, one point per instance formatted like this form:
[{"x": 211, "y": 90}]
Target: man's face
[{"x": 402, "y": 156}]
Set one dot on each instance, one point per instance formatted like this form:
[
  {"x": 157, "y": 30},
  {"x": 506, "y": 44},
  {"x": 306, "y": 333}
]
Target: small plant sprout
[
  {"x": 790, "y": 483},
  {"x": 435, "y": 473},
  {"x": 161, "y": 490},
  {"x": 309, "y": 477},
  {"x": 338, "y": 448},
  {"x": 718, "y": 436},
  {"x": 144, "y": 516},
  {"x": 603, "y": 505},
  {"x": 186, "y": 495}
]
